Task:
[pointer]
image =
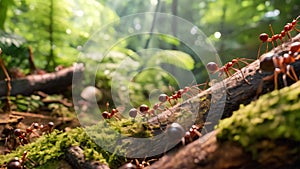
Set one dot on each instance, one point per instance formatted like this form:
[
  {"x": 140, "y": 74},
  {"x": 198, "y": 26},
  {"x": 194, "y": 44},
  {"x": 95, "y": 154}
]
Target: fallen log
[
  {"x": 48, "y": 83},
  {"x": 210, "y": 106},
  {"x": 226, "y": 96},
  {"x": 208, "y": 151}
]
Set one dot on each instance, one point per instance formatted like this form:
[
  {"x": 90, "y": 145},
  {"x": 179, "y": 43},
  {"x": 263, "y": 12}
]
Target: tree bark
[{"x": 48, "y": 83}]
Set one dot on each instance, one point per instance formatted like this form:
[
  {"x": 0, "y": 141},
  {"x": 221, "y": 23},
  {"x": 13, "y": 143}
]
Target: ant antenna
[{"x": 271, "y": 29}]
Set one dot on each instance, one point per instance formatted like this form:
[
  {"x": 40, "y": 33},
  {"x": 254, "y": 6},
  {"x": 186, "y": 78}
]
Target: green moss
[
  {"x": 51, "y": 148},
  {"x": 273, "y": 116}
]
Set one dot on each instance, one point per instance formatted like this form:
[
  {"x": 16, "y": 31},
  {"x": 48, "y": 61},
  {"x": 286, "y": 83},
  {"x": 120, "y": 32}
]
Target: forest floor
[{"x": 261, "y": 135}]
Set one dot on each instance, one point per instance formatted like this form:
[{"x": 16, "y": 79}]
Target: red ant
[
  {"x": 17, "y": 163},
  {"x": 22, "y": 136},
  {"x": 280, "y": 64},
  {"x": 214, "y": 68},
  {"x": 145, "y": 110},
  {"x": 178, "y": 95},
  {"x": 263, "y": 37},
  {"x": 138, "y": 165},
  {"x": 290, "y": 26},
  {"x": 176, "y": 131},
  {"x": 36, "y": 126},
  {"x": 192, "y": 133},
  {"x": 294, "y": 50},
  {"x": 107, "y": 115}
]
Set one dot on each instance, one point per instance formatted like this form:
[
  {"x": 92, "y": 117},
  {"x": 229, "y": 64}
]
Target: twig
[{"x": 7, "y": 79}]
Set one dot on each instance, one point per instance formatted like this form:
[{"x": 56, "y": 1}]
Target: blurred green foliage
[{"x": 58, "y": 30}]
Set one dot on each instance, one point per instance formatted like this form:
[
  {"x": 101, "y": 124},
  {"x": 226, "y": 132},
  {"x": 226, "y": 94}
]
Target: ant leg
[
  {"x": 276, "y": 72},
  {"x": 239, "y": 69},
  {"x": 267, "y": 47},
  {"x": 258, "y": 52},
  {"x": 284, "y": 80},
  {"x": 206, "y": 84},
  {"x": 242, "y": 73},
  {"x": 197, "y": 132},
  {"x": 243, "y": 60},
  {"x": 24, "y": 156},
  {"x": 273, "y": 36},
  {"x": 169, "y": 100},
  {"x": 294, "y": 75},
  {"x": 228, "y": 74},
  {"x": 289, "y": 35}
]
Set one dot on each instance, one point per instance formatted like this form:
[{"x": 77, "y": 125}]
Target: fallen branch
[
  {"x": 226, "y": 96},
  {"x": 207, "y": 152},
  {"x": 48, "y": 83},
  {"x": 208, "y": 107}
]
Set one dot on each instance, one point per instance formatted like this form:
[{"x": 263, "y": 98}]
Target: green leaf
[{"x": 177, "y": 58}]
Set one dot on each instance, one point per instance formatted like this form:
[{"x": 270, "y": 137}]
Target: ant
[
  {"x": 17, "y": 163},
  {"x": 279, "y": 64},
  {"x": 108, "y": 115},
  {"x": 175, "y": 131},
  {"x": 34, "y": 127},
  {"x": 192, "y": 133},
  {"x": 263, "y": 37},
  {"x": 214, "y": 68},
  {"x": 138, "y": 165},
  {"x": 294, "y": 50},
  {"x": 178, "y": 95},
  {"x": 291, "y": 26},
  {"x": 145, "y": 110},
  {"x": 22, "y": 136}
]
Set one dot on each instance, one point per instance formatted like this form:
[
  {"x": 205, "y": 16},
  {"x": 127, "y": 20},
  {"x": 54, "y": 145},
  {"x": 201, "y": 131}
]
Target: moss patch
[
  {"x": 274, "y": 116},
  {"x": 51, "y": 148}
]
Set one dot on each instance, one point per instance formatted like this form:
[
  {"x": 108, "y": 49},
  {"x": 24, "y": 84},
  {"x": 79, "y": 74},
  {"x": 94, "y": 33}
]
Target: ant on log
[
  {"x": 214, "y": 68},
  {"x": 280, "y": 64},
  {"x": 263, "y": 37},
  {"x": 178, "y": 95}
]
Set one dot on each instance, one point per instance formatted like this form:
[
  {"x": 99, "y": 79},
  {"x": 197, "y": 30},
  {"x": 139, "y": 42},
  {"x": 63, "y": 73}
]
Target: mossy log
[
  {"x": 261, "y": 135},
  {"x": 226, "y": 96},
  {"x": 73, "y": 146}
]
